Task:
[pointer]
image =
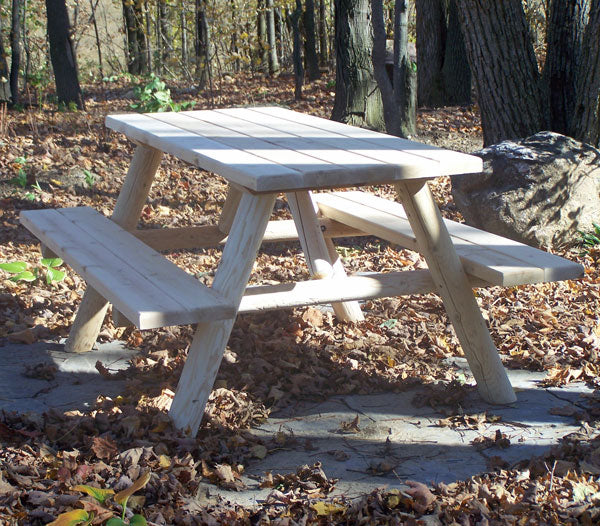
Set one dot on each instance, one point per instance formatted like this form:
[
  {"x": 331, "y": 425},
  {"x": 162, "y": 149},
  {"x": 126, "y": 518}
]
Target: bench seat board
[
  {"x": 493, "y": 258},
  {"x": 147, "y": 288}
]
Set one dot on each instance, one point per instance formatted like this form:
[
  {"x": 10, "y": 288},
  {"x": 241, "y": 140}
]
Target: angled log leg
[
  {"x": 321, "y": 256},
  {"x": 452, "y": 285},
  {"x": 210, "y": 339},
  {"x": 126, "y": 214},
  {"x": 234, "y": 196}
]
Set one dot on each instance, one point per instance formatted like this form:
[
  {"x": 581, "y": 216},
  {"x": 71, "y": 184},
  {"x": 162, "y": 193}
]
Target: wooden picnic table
[{"x": 261, "y": 152}]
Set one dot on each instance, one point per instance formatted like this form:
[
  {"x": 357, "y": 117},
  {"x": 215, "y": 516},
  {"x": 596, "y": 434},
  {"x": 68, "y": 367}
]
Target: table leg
[
  {"x": 131, "y": 200},
  {"x": 234, "y": 196},
  {"x": 452, "y": 285},
  {"x": 210, "y": 339},
  {"x": 321, "y": 256}
]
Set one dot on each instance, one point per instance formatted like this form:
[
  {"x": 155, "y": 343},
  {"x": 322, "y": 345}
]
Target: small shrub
[
  {"x": 156, "y": 97},
  {"x": 47, "y": 267}
]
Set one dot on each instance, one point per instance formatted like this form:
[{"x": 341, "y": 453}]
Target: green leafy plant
[
  {"x": 47, "y": 267},
  {"x": 591, "y": 239},
  {"x": 156, "y": 97},
  {"x": 21, "y": 178},
  {"x": 105, "y": 498},
  {"x": 90, "y": 178}
]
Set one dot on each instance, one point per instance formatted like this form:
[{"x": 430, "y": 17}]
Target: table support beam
[
  {"x": 210, "y": 339},
  {"x": 321, "y": 257},
  {"x": 131, "y": 201},
  {"x": 453, "y": 286}
]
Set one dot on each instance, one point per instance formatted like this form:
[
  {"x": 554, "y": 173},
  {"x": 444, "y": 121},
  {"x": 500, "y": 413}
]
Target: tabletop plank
[
  {"x": 452, "y": 163},
  {"x": 271, "y": 149}
]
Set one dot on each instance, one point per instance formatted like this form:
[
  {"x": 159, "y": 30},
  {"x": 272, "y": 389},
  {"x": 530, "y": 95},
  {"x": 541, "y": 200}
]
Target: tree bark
[
  {"x": 456, "y": 71},
  {"x": 398, "y": 96},
  {"x": 501, "y": 56},
  {"x": 272, "y": 41},
  {"x": 323, "y": 40},
  {"x": 15, "y": 48},
  {"x": 297, "y": 53},
  {"x": 202, "y": 45},
  {"x": 310, "y": 41},
  {"x": 137, "y": 60},
  {"x": 357, "y": 96},
  {"x": 261, "y": 32},
  {"x": 431, "y": 44},
  {"x": 585, "y": 125},
  {"x": 4, "y": 75},
  {"x": 163, "y": 42},
  {"x": 567, "y": 21},
  {"x": 62, "y": 55}
]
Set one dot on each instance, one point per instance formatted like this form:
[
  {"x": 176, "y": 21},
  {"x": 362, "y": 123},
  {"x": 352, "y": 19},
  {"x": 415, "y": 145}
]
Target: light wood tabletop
[{"x": 272, "y": 149}]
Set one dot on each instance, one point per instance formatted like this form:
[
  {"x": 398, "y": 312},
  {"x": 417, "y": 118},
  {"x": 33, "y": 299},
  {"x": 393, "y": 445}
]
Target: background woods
[{"x": 373, "y": 47}]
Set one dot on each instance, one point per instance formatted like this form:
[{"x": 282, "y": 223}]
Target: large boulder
[{"x": 541, "y": 190}]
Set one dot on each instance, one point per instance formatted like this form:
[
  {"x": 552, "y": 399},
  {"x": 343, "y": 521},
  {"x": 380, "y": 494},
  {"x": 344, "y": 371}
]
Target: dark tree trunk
[
  {"x": 323, "y": 40},
  {"x": 431, "y": 45},
  {"x": 310, "y": 42},
  {"x": 297, "y": 54},
  {"x": 137, "y": 59},
  {"x": 357, "y": 96},
  {"x": 501, "y": 56},
  {"x": 399, "y": 95},
  {"x": 271, "y": 39},
  {"x": 585, "y": 124},
  {"x": 62, "y": 55},
  {"x": 567, "y": 21},
  {"x": 184, "y": 37},
  {"x": 15, "y": 48},
  {"x": 456, "y": 71},
  {"x": 444, "y": 76},
  {"x": 163, "y": 41},
  {"x": 202, "y": 45}
]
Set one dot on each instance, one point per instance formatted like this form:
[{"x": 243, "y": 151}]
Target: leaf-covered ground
[{"x": 272, "y": 360}]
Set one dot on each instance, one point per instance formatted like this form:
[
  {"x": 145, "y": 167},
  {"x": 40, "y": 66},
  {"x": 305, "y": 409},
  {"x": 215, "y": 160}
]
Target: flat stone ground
[{"x": 365, "y": 441}]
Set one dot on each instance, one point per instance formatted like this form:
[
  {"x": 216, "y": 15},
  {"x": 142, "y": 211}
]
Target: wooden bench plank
[
  {"x": 495, "y": 259},
  {"x": 147, "y": 288}
]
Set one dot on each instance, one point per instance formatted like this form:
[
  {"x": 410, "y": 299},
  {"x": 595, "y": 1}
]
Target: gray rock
[{"x": 541, "y": 190}]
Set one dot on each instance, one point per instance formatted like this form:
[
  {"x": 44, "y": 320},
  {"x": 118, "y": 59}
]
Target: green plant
[
  {"x": 103, "y": 497},
  {"x": 21, "y": 178},
  {"x": 156, "y": 97},
  {"x": 591, "y": 239},
  {"x": 48, "y": 267},
  {"x": 90, "y": 178}
]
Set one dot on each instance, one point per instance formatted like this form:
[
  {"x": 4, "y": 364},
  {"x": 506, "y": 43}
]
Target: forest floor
[{"x": 70, "y": 159}]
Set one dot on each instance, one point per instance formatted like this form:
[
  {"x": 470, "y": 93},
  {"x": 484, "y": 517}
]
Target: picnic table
[{"x": 261, "y": 152}]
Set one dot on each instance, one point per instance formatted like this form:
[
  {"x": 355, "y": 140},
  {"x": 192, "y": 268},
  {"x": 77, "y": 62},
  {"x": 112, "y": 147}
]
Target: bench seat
[
  {"x": 148, "y": 289},
  {"x": 492, "y": 258}
]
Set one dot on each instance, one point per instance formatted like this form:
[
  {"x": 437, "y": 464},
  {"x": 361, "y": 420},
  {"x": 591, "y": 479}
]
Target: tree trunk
[
  {"x": 15, "y": 48},
  {"x": 62, "y": 55},
  {"x": 137, "y": 60},
  {"x": 431, "y": 45},
  {"x": 456, "y": 71},
  {"x": 272, "y": 41},
  {"x": 398, "y": 95},
  {"x": 501, "y": 56},
  {"x": 261, "y": 33},
  {"x": 163, "y": 42},
  {"x": 297, "y": 53},
  {"x": 310, "y": 41},
  {"x": 202, "y": 45},
  {"x": 585, "y": 124},
  {"x": 184, "y": 37},
  {"x": 4, "y": 75},
  {"x": 323, "y": 40},
  {"x": 357, "y": 96},
  {"x": 97, "y": 35},
  {"x": 567, "y": 21}
]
